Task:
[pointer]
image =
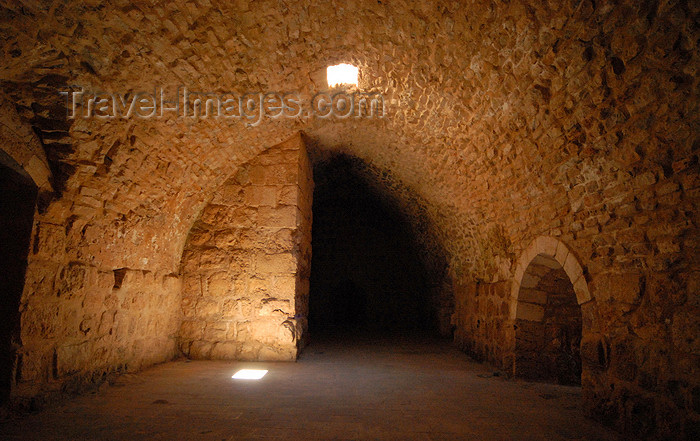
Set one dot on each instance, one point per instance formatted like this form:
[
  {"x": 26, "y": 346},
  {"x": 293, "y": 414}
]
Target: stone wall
[
  {"x": 87, "y": 312},
  {"x": 482, "y": 311},
  {"x": 81, "y": 323},
  {"x": 246, "y": 263}
]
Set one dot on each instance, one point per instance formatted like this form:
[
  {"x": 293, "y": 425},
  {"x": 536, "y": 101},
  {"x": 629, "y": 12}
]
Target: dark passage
[
  {"x": 17, "y": 200},
  {"x": 366, "y": 273}
]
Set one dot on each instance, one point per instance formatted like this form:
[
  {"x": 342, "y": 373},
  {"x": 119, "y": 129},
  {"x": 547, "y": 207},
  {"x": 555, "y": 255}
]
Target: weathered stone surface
[
  {"x": 530, "y": 312},
  {"x": 220, "y": 285},
  {"x": 251, "y": 266},
  {"x": 530, "y": 295}
]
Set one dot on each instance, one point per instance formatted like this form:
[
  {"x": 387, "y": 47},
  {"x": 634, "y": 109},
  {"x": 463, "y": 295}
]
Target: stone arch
[
  {"x": 391, "y": 275},
  {"x": 547, "y": 292},
  {"x": 21, "y": 149},
  {"x": 550, "y": 247}
]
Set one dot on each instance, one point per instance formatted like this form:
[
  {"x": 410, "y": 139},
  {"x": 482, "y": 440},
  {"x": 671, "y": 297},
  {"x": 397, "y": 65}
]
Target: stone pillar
[{"x": 246, "y": 262}]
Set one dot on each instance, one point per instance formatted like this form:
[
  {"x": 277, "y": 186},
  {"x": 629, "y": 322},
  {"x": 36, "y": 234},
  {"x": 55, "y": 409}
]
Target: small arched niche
[{"x": 549, "y": 288}]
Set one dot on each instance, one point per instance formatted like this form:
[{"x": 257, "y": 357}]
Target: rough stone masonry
[{"x": 563, "y": 132}]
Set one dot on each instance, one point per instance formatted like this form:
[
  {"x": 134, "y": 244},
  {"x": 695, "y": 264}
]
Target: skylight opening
[
  {"x": 249, "y": 374},
  {"x": 342, "y": 74}
]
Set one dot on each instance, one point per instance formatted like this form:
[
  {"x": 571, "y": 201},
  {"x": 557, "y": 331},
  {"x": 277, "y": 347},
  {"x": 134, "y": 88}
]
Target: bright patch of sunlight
[{"x": 250, "y": 374}]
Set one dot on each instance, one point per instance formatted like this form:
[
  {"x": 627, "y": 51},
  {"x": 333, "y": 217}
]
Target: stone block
[
  {"x": 72, "y": 279},
  {"x": 279, "y": 174},
  {"x": 50, "y": 240},
  {"x": 226, "y": 350},
  {"x": 35, "y": 365},
  {"x": 284, "y": 353},
  {"x": 192, "y": 329},
  {"x": 279, "y": 217},
  {"x": 546, "y": 261},
  {"x": 283, "y": 263},
  {"x": 275, "y": 307},
  {"x": 261, "y": 195},
  {"x": 228, "y": 238},
  {"x": 259, "y": 287},
  {"x": 530, "y": 295},
  {"x": 200, "y": 350},
  {"x": 213, "y": 258},
  {"x": 105, "y": 280},
  {"x": 256, "y": 174},
  {"x": 229, "y": 194},
  {"x": 284, "y": 287},
  {"x": 530, "y": 312},
  {"x": 572, "y": 267},
  {"x": 74, "y": 358},
  {"x": 40, "y": 322},
  {"x": 199, "y": 238},
  {"x": 583, "y": 295},
  {"x": 246, "y": 307},
  {"x": 131, "y": 278},
  {"x": 93, "y": 300},
  {"x": 269, "y": 331},
  {"x": 562, "y": 253},
  {"x": 518, "y": 273},
  {"x": 546, "y": 245},
  {"x": 192, "y": 285},
  {"x": 684, "y": 331},
  {"x": 207, "y": 308},
  {"x": 248, "y": 351},
  {"x": 39, "y": 279},
  {"x": 220, "y": 285},
  {"x": 215, "y": 331},
  {"x": 106, "y": 322},
  {"x": 188, "y": 306},
  {"x": 622, "y": 288},
  {"x": 212, "y": 214},
  {"x": 287, "y": 195},
  {"x": 239, "y": 217},
  {"x": 284, "y": 239},
  {"x": 529, "y": 280},
  {"x": 230, "y": 309}
]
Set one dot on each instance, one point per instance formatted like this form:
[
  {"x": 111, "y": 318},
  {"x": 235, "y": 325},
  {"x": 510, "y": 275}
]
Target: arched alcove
[{"x": 548, "y": 289}]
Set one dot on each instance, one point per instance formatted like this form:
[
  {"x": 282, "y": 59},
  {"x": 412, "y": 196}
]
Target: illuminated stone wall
[{"x": 245, "y": 266}]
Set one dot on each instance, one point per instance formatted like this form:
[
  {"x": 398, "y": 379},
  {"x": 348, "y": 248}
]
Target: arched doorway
[
  {"x": 549, "y": 288},
  {"x": 18, "y": 195},
  {"x": 372, "y": 275}
]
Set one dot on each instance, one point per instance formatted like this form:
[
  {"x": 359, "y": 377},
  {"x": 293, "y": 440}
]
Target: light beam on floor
[{"x": 249, "y": 374}]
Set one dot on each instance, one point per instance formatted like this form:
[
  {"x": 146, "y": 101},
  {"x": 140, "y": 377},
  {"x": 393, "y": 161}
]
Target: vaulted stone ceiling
[{"x": 495, "y": 111}]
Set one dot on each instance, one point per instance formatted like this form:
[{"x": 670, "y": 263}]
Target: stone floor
[{"x": 391, "y": 389}]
